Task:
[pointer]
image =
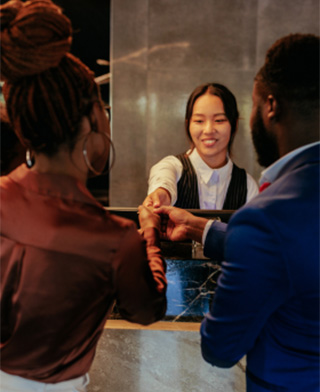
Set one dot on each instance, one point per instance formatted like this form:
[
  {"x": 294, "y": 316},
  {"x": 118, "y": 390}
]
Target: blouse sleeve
[
  {"x": 140, "y": 277},
  {"x": 166, "y": 174}
]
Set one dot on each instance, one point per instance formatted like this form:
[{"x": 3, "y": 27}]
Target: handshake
[{"x": 173, "y": 223}]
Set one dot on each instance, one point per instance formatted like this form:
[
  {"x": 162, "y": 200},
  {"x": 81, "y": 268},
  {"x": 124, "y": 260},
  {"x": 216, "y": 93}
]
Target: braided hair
[{"x": 47, "y": 90}]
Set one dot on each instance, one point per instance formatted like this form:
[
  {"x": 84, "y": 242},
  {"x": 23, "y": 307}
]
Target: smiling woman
[
  {"x": 204, "y": 177},
  {"x": 210, "y": 130}
]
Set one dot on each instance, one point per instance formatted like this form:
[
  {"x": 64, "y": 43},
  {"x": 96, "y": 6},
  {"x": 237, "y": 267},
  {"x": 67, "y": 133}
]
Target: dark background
[
  {"x": 91, "y": 41},
  {"x": 91, "y": 33}
]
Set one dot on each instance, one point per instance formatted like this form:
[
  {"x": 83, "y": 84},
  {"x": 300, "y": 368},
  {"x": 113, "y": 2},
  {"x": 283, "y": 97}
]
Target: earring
[
  {"x": 86, "y": 158},
  {"x": 29, "y": 159}
]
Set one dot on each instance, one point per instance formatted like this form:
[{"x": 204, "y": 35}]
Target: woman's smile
[
  {"x": 210, "y": 130},
  {"x": 209, "y": 142}
]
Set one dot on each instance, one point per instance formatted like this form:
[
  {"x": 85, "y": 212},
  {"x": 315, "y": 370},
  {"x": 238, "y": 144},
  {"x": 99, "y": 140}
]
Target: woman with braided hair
[{"x": 64, "y": 259}]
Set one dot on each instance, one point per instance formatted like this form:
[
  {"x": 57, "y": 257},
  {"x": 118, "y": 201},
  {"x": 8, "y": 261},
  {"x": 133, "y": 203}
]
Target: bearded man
[{"x": 266, "y": 305}]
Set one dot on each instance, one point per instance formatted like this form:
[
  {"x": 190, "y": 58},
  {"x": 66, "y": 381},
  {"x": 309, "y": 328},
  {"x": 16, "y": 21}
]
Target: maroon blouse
[{"x": 64, "y": 261}]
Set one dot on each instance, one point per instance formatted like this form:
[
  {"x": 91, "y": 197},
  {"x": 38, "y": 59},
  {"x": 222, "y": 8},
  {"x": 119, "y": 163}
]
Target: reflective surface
[
  {"x": 168, "y": 357},
  {"x": 192, "y": 278},
  {"x": 158, "y": 361},
  {"x": 161, "y": 50},
  {"x": 191, "y": 287}
]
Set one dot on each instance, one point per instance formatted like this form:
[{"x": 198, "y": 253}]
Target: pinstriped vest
[{"x": 188, "y": 194}]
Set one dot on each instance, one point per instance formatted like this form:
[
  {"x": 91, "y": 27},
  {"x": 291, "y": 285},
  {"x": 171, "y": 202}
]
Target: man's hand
[
  {"x": 180, "y": 225},
  {"x": 159, "y": 197}
]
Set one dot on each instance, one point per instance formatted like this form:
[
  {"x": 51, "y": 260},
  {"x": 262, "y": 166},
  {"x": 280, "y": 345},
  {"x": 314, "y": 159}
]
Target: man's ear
[{"x": 272, "y": 107}]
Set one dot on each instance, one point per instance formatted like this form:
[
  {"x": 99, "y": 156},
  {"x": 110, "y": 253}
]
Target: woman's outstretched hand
[{"x": 159, "y": 197}]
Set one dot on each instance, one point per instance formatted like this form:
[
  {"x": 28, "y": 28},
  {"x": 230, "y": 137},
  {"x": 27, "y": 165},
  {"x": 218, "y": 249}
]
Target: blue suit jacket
[{"x": 267, "y": 302}]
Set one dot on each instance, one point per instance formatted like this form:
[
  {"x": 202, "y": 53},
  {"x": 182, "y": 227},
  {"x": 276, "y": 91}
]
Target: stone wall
[{"x": 162, "y": 49}]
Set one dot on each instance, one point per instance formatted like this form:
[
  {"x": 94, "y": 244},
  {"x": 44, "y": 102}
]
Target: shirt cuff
[{"x": 206, "y": 229}]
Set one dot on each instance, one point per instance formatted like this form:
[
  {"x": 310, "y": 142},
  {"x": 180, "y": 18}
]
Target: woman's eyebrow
[{"x": 214, "y": 115}]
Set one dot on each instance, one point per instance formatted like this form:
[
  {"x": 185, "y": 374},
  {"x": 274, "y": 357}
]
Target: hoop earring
[
  {"x": 86, "y": 158},
  {"x": 29, "y": 159}
]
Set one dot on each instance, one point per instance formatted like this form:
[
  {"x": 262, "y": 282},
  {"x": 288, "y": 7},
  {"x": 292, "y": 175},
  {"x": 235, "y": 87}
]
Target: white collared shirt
[{"x": 212, "y": 183}]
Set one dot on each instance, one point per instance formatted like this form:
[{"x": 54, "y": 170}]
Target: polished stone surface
[
  {"x": 166, "y": 356},
  {"x": 162, "y": 49},
  {"x": 191, "y": 288},
  {"x": 158, "y": 361},
  {"x": 192, "y": 278}
]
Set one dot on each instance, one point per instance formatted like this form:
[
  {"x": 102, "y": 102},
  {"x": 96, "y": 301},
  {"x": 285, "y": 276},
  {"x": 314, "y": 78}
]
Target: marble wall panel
[
  {"x": 129, "y": 38},
  {"x": 279, "y": 18},
  {"x": 207, "y": 31},
  {"x": 162, "y": 49},
  {"x": 128, "y": 182}
]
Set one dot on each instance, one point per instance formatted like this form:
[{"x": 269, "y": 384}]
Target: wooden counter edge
[{"x": 158, "y": 326}]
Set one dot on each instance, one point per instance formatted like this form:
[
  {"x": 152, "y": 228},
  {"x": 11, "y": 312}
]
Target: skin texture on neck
[
  {"x": 294, "y": 132},
  {"x": 72, "y": 163},
  {"x": 63, "y": 162},
  {"x": 290, "y": 124},
  {"x": 66, "y": 162}
]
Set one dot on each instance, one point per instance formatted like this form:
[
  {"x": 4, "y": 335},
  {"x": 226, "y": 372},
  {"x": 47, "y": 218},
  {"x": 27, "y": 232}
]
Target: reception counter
[
  {"x": 165, "y": 356},
  {"x": 191, "y": 277}
]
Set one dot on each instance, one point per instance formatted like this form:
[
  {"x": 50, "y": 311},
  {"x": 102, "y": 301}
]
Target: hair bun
[
  {"x": 8, "y": 12},
  {"x": 35, "y": 37}
]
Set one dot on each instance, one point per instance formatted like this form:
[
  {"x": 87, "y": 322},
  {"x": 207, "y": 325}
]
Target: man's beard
[{"x": 265, "y": 143}]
